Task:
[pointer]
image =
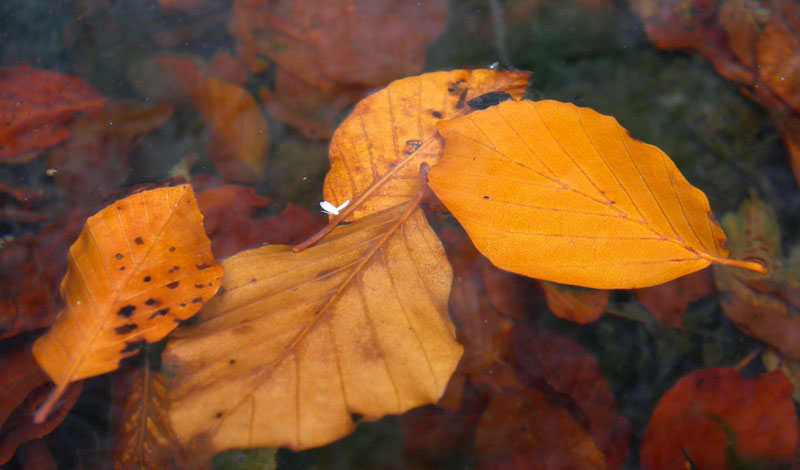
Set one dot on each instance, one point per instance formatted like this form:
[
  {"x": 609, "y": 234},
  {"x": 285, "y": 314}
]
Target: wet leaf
[
  {"x": 96, "y": 157},
  {"x": 525, "y": 425},
  {"x": 34, "y": 105},
  {"x": 763, "y": 306},
  {"x": 349, "y": 42},
  {"x": 299, "y": 342},
  {"x": 778, "y": 54},
  {"x": 720, "y": 419},
  {"x": 142, "y": 434},
  {"x": 571, "y": 378},
  {"x": 576, "y": 304},
  {"x": 480, "y": 329},
  {"x": 23, "y": 386},
  {"x": 238, "y": 132},
  {"x": 561, "y": 193},
  {"x": 377, "y": 150},
  {"x": 668, "y": 301},
  {"x": 233, "y": 225},
  {"x": 139, "y": 266}
]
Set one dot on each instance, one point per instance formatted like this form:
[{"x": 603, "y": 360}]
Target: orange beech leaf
[
  {"x": 510, "y": 294},
  {"x": 297, "y": 343},
  {"x": 576, "y": 304},
  {"x": 228, "y": 68},
  {"x": 766, "y": 307},
  {"x": 376, "y": 151},
  {"x": 718, "y": 419},
  {"x": 524, "y": 426},
  {"x": 143, "y": 435},
  {"x": 668, "y": 301},
  {"x": 34, "y": 104},
  {"x": 239, "y": 135},
  {"x": 138, "y": 267},
  {"x": 561, "y": 193},
  {"x": 741, "y": 20},
  {"x": 571, "y": 378},
  {"x": 352, "y": 42},
  {"x": 23, "y": 386}
]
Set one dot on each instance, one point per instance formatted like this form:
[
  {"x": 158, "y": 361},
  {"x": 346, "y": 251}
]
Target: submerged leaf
[
  {"x": 719, "y": 419},
  {"x": 139, "y": 267},
  {"x": 565, "y": 194},
  {"x": 298, "y": 343}
]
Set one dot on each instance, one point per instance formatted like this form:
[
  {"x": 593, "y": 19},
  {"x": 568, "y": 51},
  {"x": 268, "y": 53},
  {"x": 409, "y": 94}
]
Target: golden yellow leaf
[
  {"x": 376, "y": 151},
  {"x": 138, "y": 267},
  {"x": 296, "y": 343},
  {"x": 561, "y": 193}
]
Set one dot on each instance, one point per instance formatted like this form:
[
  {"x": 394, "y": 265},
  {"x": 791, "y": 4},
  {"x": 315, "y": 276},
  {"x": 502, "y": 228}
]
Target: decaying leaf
[
  {"x": 238, "y": 132},
  {"x": 524, "y": 425},
  {"x": 350, "y": 42},
  {"x": 766, "y": 307},
  {"x": 296, "y": 343},
  {"x": 668, "y": 301},
  {"x": 565, "y": 194},
  {"x": 143, "y": 436},
  {"x": 34, "y": 105},
  {"x": 571, "y": 378},
  {"x": 576, "y": 304},
  {"x": 376, "y": 151},
  {"x": 139, "y": 266},
  {"x": 719, "y": 419},
  {"x": 23, "y": 386}
]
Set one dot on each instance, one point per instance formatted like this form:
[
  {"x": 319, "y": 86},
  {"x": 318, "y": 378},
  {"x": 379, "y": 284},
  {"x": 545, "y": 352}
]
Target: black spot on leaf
[
  {"x": 159, "y": 313},
  {"x": 126, "y": 311},
  {"x": 488, "y": 99},
  {"x": 131, "y": 346},
  {"x": 173, "y": 284},
  {"x": 151, "y": 301},
  {"x": 203, "y": 266},
  {"x": 146, "y": 278},
  {"x": 125, "y": 329},
  {"x": 138, "y": 241}
]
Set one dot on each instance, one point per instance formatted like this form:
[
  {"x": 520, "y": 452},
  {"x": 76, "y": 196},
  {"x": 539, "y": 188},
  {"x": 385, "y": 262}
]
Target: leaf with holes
[
  {"x": 376, "y": 151},
  {"x": 138, "y": 268},
  {"x": 296, "y": 344},
  {"x": 565, "y": 194}
]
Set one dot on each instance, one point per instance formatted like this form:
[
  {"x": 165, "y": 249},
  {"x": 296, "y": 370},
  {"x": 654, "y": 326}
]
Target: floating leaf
[
  {"x": 377, "y": 150},
  {"x": 576, "y": 304},
  {"x": 296, "y": 343},
  {"x": 34, "y": 106},
  {"x": 139, "y": 266},
  {"x": 564, "y": 194},
  {"x": 719, "y": 419}
]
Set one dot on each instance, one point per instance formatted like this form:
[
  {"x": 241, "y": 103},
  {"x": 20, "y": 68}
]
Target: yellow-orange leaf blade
[
  {"x": 274, "y": 362},
  {"x": 138, "y": 267},
  {"x": 388, "y": 134},
  {"x": 565, "y": 194}
]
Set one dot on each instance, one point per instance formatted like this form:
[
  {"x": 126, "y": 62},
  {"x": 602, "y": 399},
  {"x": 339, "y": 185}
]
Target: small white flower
[{"x": 330, "y": 209}]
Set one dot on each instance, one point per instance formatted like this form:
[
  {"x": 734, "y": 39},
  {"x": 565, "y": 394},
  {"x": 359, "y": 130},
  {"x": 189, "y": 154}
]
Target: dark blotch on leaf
[
  {"x": 138, "y": 241},
  {"x": 488, "y": 99},
  {"x": 146, "y": 278},
  {"x": 199, "y": 286},
  {"x": 171, "y": 249},
  {"x": 118, "y": 255},
  {"x": 232, "y": 361},
  {"x": 436, "y": 114},
  {"x": 151, "y": 301},
  {"x": 173, "y": 284},
  {"x": 218, "y": 415},
  {"x": 197, "y": 300},
  {"x": 173, "y": 269},
  {"x": 159, "y": 313},
  {"x": 133, "y": 346},
  {"x": 126, "y": 311},
  {"x": 125, "y": 329},
  {"x": 203, "y": 266}
]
